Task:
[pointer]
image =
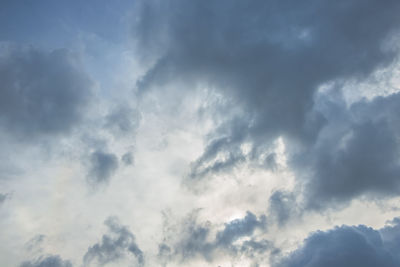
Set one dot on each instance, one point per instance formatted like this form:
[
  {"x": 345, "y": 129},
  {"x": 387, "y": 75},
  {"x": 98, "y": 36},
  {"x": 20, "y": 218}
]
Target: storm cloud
[
  {"x": 270, "y": 55},
  {"x": 269, "y": 58}
]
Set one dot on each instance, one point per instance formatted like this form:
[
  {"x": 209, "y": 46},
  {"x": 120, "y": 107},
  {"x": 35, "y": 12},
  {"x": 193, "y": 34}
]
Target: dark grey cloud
[
  {"x": 195, "y": 240},
  {"x": 41, "y": 93},
  {"x": 115, "y": 245},
  {"x": 347, "y": 246},
  {"x": 102, "y": 167},
  {"x": 47, "y": 261},
  {"x": 356, "y": 154},
  {"x": 268, "y": 58}
]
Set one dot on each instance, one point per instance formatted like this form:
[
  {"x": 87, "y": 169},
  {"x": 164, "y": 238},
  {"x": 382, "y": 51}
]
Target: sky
[{"x": 226, "y": 133}]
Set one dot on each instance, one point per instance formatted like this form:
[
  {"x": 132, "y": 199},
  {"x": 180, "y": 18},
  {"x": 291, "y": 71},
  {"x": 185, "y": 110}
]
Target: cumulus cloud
[
  {"x": 102, "y": 166},
  {"x": 47, "y": 261},
  {"x": 114, "y": 246},
  {"x": 347, "y": 246},
  {"x": 41, "y": 93}
]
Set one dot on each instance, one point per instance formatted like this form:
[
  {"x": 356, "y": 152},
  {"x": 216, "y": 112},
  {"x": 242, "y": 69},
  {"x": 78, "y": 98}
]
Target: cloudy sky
[{"x": 199, "y": 133}]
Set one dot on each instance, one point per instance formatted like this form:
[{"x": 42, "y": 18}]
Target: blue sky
[{"x": 199, "y": 133}]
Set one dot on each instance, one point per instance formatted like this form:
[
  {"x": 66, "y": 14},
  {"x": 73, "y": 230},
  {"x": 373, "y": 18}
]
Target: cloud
[
  {"x": 283, "y": 206},
  {"x": 128, "y": 158},
  {"x": 391, "y": 236},
  {"x": 239, "y": 78},
  {"x": 238, "y": 228},
  {"x": 347, "y": 246},
  {"x": 123, "y": 120},
  {"x": 116, "y": 245},
  {"x": 3, "y": 198},
  {"x": 48, "y": 261},
  {"x": 356, "y": 154},
  {"x": 252, "y": 247},
  {"x": 207, "y": 164},
  {"x": 267, "y": 57},
  {"x": 35, "y": 242},
  {"x": 185, "y": 240},
  {"x": 196, "y": 240},
  {"x": 41, "y": 94},
  {"x": 102, "y": 166}
]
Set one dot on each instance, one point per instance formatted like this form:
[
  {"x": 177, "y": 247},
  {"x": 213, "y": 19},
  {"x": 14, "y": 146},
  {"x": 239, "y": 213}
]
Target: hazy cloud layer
[{"x": 35, "y": 242}]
